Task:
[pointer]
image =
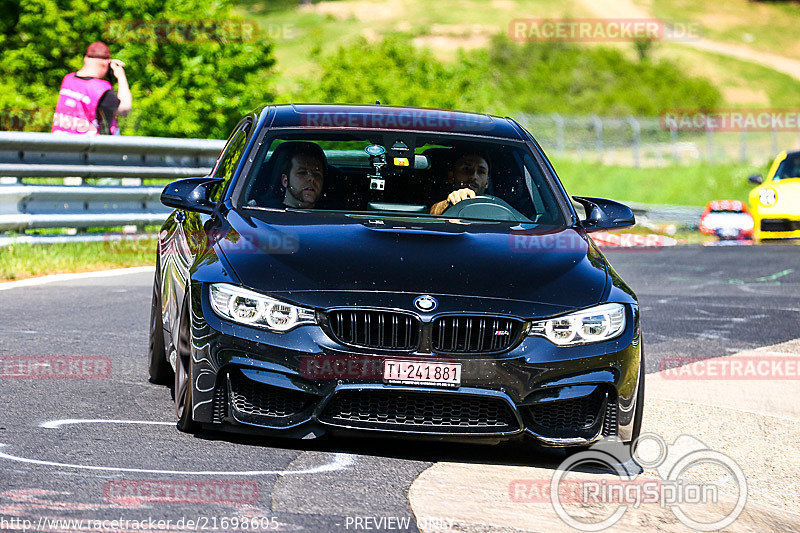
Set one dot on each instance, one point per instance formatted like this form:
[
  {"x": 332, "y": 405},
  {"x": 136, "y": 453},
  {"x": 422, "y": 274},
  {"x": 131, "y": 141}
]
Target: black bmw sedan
[{"x": 374, "y": 270}]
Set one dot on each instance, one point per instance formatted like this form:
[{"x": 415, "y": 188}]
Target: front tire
[
  {"x": 182, "y": 388},
  {"x": 159, "y": 368},
  {"x": 637, "y": 417}
]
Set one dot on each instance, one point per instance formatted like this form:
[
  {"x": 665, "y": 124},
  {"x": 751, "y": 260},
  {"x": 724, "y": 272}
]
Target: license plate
[{"x": 436, "y": 374}]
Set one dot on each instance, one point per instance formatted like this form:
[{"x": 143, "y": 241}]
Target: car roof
[{"x": 370, "y": 117}]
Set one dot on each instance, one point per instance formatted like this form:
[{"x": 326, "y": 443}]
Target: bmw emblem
[{"x": 425, "y": 303}]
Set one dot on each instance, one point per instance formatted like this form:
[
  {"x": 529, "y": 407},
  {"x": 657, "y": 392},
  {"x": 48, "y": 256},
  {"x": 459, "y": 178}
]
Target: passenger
[
  {"x": 470, "y": 178},
  {"x": 303, "y": 175}
]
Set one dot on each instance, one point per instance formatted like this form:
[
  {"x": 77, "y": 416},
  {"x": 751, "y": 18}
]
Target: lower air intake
[
  {"x": 420, "y": 412},
  {"x": 263, "y": 404},
  {"x": 575, "y": 417}
]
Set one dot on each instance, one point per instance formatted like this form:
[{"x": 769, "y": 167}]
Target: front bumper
[
  {"x": 777, "y": 227},
  {"x": 249, "y": 380}
]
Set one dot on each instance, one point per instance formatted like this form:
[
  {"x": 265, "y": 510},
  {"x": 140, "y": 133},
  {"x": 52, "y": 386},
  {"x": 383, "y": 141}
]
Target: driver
[
  {"x": 303, "y": 175},
  {"x": 469, "y": 177}
]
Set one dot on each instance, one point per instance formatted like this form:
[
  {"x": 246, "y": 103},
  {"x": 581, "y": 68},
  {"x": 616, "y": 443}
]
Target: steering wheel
[{"x": 485, "y": 207}]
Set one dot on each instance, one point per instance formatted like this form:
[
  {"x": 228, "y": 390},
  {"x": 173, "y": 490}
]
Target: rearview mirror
[
  {"x": 191, "y": 194},
  {"x": 605, "y": 214},
  {"x": 756, "y": 178}
]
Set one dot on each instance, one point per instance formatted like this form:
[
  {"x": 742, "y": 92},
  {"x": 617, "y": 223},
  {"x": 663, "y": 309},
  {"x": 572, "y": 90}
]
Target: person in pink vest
[{"x": 87, "y": 103}]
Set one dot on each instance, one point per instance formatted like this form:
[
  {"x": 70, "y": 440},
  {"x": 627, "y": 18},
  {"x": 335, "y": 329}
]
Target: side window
[{"x": 231, "y": 157}]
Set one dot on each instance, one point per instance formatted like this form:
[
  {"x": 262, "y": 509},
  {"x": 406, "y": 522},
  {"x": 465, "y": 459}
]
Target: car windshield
[
  {"x": 789, "y": 168},
  {"x": 401, "y": 173}
]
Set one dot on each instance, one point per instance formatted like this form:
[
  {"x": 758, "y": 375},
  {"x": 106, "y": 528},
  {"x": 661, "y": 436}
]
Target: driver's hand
[
  {"x": 452, "y": 199},
  {"x": 462, "y": 194}
]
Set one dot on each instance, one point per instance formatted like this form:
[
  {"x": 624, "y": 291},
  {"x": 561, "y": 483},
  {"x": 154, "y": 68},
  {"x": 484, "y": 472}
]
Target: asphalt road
[{"x": 696, "y": 301}]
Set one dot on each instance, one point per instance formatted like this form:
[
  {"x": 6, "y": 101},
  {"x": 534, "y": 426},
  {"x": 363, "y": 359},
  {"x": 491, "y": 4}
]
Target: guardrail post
[
  {"x": 636, "y": 128},
  {"x": 559, "y": 121},
  {"x": 598, "y": 131}
]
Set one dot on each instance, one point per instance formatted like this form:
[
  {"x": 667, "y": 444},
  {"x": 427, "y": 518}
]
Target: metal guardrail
[
  {"x": 24, "y": 154},
  {"x": 680, "y": 215},
  {"x": 56, "y": 206},
  {"x": 27, "y": 155}
]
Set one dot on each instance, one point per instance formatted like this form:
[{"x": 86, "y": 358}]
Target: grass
[
  {"x": 768, "y": 26},
  {"x": 742, "y": 83},
  {"x": 20, "y": 261},
  {"x": 299, "y": 33},
  {"x": 677, "y": 184}
]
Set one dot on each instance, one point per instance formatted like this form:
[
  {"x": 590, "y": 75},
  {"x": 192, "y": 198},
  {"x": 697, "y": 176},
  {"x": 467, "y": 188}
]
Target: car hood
[
  {"x": 788, "y": 192},
  {"x": 326, "y": 259}
]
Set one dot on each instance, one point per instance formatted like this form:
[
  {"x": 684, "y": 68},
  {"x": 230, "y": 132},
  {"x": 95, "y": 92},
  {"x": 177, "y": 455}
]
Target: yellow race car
[{"x": 775, "y": 203}]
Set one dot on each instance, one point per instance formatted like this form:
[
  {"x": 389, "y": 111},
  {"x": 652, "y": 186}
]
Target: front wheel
[
  {"x": 182, "y": 388},
  {"x": 159, "y": 369},
  {"x": 637, "y": 417}
]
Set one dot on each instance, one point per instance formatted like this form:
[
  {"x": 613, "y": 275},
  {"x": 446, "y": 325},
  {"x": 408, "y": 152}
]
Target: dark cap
[{"x": 98, "y": 50}]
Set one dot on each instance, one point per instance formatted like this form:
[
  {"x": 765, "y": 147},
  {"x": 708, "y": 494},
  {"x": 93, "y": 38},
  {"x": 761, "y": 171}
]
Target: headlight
[
  {"x": 255, "y": 309},
  {"x": 767, "y": 197},
  {"x": 597, "y": 324}
]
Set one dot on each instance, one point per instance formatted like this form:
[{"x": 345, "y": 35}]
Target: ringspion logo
[{"x": 618, "y": 485}]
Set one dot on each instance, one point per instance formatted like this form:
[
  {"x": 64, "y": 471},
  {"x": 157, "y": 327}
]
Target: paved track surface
[{"x": 696, "y": 301}]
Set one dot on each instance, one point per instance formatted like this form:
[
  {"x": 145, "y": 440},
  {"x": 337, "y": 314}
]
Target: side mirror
[
  {"x": 191, "y": 194},
  {"x": 756, "y": 178},
  {"x": 605, "y": 214}
]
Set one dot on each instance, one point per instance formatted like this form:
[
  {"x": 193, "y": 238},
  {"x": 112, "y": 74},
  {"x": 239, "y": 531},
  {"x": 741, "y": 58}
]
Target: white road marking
[
  {"x": 31, "y": 282},
  {"x": 56, "y": 424},
  {"x": 340, "y": 462}
]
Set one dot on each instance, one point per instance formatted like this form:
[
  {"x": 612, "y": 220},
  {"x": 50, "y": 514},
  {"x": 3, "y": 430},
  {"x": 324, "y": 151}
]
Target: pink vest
[{"x": 76, "y": 111}]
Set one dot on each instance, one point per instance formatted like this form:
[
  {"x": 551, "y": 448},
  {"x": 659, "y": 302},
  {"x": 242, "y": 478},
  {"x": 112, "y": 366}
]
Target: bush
[{"x": 507, "y": 77}]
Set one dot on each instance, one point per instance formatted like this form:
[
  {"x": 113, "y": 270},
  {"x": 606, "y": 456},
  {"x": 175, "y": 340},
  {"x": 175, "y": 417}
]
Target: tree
[
  {"x": 193, "y": 70},
  {"x": 506, "y": 78}
]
